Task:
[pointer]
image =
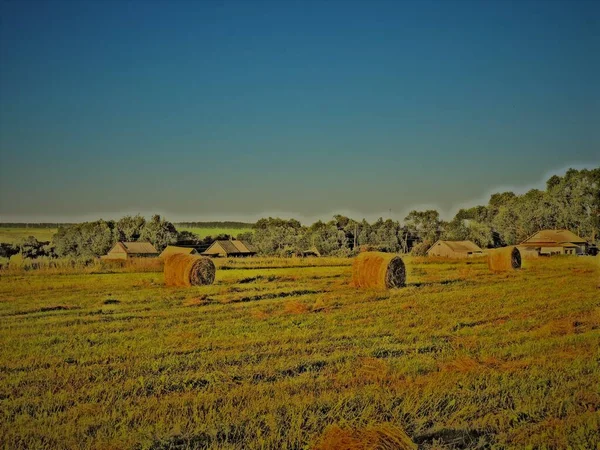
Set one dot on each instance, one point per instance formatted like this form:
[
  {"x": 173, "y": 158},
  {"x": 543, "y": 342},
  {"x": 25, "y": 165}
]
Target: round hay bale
[
  {"x": 504, "y": 259},
  {"x": 373, "y": 437},
  {"x": 378, "y": 270},
  {"x": 188, "y": 270}
]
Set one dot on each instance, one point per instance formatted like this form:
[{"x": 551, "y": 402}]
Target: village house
[
  {"x": 174, "y": 250},
  {"x": 231, "y": 248},
  {"x": 126, "y": 250},
  {"x": 455, "y": 249},
  {"x": 556, "y": 242}
]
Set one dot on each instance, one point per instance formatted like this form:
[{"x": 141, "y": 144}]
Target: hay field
[
  {"x": 272, "y": 357},
  {"x": 12, "y": 235},
  {"x": 202, "y": 232}
]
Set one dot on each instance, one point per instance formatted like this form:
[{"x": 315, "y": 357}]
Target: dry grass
[
  {"x": 73, "y": 266},
  {"x": 276, "y": 358},
  {"x": 374, "y": 437}
]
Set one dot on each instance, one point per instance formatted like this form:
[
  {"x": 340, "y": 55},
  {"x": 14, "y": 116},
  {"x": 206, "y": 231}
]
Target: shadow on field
[
  {"x": 420, "y": 284},
  {"x": 273, "y": 295},
  {"x": 452, "y": 438},
  {"x": 42, "y": 310}
]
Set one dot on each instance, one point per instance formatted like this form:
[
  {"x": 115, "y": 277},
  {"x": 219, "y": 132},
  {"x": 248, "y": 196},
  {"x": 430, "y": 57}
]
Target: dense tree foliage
[
  {"x": 91, "y": 239},
  {"x": 570, "y": 202}
]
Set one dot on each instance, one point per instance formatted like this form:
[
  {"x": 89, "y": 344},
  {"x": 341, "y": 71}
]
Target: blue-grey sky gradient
[{"x": 235, "y": 109}]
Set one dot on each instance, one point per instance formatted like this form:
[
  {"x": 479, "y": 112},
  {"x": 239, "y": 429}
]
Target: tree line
[{"x": 569, "y": 202}]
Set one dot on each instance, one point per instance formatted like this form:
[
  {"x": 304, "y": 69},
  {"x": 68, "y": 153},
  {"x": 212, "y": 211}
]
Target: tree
[
  {"x": 129, "y": 228},
  {"x": 88, "y": 239},
  {"x": 188, "y": 236},
  {"x": 31, "y": 248},
  {"x": 425, "y": 224},
  {"x": 159, "y": 232},
  {"x": 7, "y": 250}
]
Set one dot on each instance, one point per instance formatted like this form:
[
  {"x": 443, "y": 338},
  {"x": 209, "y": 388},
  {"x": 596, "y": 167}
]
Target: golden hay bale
[
  {"x": 375, "y": 437},
  {"x": 378, "y": 270},
  {"x": 188, "y": 270},
  {"x": 504, "y": 259}
]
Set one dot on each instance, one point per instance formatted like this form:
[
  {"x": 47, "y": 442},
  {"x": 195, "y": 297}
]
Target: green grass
[
  {"x": 13, "y": 235},
  {"x": 269, "y": 357},
  {"x": 203, "y": 232}
]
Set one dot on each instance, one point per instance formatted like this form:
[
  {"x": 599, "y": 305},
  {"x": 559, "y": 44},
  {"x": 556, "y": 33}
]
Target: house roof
[
  {"x": 244, "y": 246},
  {"x": 233, "y": 247},
  {"x": 459, "y": 246},
  {"x": 138, "y": 247},
  {"x": 173, "y": 249},
  {"x": 553, "y": 237}
]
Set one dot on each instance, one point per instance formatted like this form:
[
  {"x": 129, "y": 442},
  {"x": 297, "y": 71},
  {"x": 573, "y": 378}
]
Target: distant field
[
  {"x": 12, "y": 235},
  {"x": 203, "y": 232},
  {"x": 278, "y": 350}
]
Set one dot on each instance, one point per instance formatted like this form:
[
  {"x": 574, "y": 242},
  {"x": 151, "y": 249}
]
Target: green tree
[
  {"x": 159, "y": 232},
  {"x": 425, "y": 224},
  {"x": 129, "y": 228}
]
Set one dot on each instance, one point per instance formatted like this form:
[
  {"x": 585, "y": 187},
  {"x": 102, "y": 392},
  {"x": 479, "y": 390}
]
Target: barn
[
  {"x": 556, "y": 242},
  {"x": 455, "y": 249},
  {"x": 232, "y": 248},
  {"x": 174, "y": 250},
  {"x": 126, "y": 250}
]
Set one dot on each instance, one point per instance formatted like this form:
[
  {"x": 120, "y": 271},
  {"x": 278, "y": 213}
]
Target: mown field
[
  {"x": 13, "y": 235},
  {"x": 277, "y": 351}
]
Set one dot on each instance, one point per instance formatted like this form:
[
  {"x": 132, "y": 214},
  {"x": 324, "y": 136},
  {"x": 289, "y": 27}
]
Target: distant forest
[
  {"x": 227, "y": 225},
  {"x": 32, "y": 225},
  {"x": 569, "y": 202}
]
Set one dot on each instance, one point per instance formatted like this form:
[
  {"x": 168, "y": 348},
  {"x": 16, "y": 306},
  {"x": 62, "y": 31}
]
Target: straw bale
[
  {"x": 188, "y": 270},
  {"x": 504, "y": 259},
  {"x": 378, "y": 270}
]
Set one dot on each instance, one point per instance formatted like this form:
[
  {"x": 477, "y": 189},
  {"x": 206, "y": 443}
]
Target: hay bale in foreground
[
  {"x": 188, "y": 270},
  {"x": 378, "y": 270},
  {"x": 374, "y": 437},
  {"x": 504, "y": 259}
]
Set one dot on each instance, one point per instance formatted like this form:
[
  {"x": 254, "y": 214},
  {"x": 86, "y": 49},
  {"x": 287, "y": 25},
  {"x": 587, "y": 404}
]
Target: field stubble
[{"x": 277, "y": 352}]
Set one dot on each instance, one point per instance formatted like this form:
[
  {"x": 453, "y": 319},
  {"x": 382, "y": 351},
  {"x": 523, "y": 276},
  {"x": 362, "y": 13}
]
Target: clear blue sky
[{"x": 235, "y": 109}]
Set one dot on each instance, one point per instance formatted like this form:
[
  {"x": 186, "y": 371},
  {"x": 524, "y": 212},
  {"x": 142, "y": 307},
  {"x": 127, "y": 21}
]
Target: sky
[{"x": 235, "y": 110}]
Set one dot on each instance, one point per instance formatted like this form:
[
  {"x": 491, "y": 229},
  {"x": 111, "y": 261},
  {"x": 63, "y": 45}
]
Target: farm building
[
  {"x": 173, "y": 250},
  {"x": 231, "y": 248},
  {"x": 455, "y": 249},
  {"x": 126, "y": 250},
  {"x": 556, "y": 242}
]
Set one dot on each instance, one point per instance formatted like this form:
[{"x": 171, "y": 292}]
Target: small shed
[
  {"x": 455, "y": 249},
  {"x": 174, "y": 250},
  {"x": 229, "y": 248},
  {"x": 126, "y": 250}
]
